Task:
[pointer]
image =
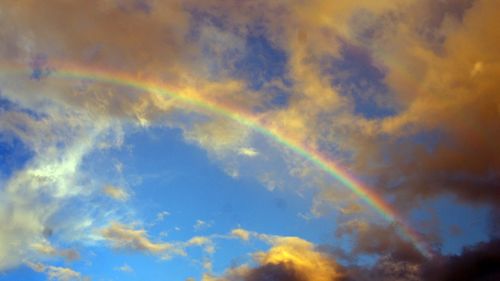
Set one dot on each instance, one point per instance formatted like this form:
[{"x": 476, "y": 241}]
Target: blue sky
[{"x": 101, "y": 181}]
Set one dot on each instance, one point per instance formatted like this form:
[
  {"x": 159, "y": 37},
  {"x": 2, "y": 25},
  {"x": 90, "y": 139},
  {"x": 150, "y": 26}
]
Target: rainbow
[{"x": 67, "y": 70}]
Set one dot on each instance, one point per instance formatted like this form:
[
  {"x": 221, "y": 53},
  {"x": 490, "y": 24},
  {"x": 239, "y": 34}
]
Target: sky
[{"x": 249, "y": 140}]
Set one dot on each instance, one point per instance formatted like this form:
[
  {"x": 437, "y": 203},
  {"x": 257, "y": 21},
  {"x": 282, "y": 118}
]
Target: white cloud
[
  {"x": 33, "y": 198},
  {"x": 125, "y": 268},
  {"x": 200, "y": 225},
  {"x": 162, "y": 215},
  {"x": 248, "y": 151}
]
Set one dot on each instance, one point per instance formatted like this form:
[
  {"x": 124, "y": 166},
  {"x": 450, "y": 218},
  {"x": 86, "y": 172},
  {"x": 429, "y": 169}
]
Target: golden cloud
[{"x": 290, "y": 258}]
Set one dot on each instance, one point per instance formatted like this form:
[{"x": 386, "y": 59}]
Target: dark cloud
[
  {"x": 278, "y": 271},
  {"x": 385, "y": 269},
  {"x": 379, "y": 239},
  {"x": 479, "y": 262}
]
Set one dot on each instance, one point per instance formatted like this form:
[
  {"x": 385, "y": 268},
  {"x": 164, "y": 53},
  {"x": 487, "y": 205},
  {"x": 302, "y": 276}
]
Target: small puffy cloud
[
  {"x": 205, "y": 242},
  {"x": 207, "y": 264},
  {"x": 116, "y": 193},
  {"x": 241, "y": 234},
  {"x": 162, "y": 215},
  {"x": 200, "y": 225},
  {"x": 248, "y": 151},
  {"x": 199, "y": 240},
  {"x": 124, "y": 268}
]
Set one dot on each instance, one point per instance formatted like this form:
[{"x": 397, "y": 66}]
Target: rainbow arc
[{"x": 65, "y": 70}]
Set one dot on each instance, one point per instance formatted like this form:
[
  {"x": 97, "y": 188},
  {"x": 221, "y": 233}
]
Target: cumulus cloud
[
  {"x": 290, "y": 258},
  {"x": 446, "y": 124}
]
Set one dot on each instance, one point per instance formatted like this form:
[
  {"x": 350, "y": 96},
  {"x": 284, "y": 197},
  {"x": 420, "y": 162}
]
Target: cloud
[
  {"x": 57, "y": 273},
  {"x": 318, "y": 112},
  {"x": 46, "y": 249},
  {"x": 248, "y": 151},
  {"x": 161, "y": 216},
  {"x": 444, "y": 132},
  {"x": 116, "y": 193},
  {"x": 124, "y": 237},
  {"x": 436, "y": 66},
  {"x": 478, "y": 262},
  {"x": 200, "y": 225},
  {"x": 385, "y": 269},
  {"x": 439, "y": 136},
  {"x": 206, "y": 242},
  {"x": 241, "y": 234},
  {"x": 290, "y": 258},
  {"x": 372, "y": 238},
  {"x": 125, "y": 268},
  {"x": 36, "y": 195},
  {"x": 70, "y": 254}
]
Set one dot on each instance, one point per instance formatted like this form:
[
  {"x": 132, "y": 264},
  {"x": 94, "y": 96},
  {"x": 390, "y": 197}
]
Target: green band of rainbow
[{"x": 76, "y": 71}]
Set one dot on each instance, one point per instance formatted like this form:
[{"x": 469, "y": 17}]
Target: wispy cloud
[
  {"x": 116, "y": 193},
  {"x": 124, "y": 237},
  {"x": 57, "y": 273}
]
